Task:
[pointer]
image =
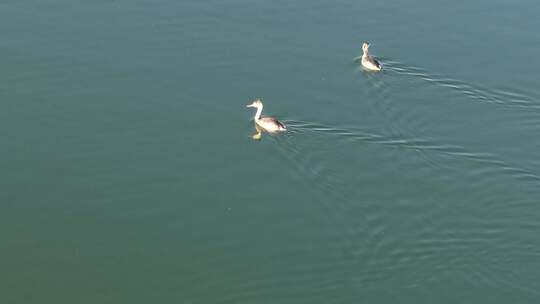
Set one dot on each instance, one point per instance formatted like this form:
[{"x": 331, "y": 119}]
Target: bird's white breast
[{"x": 366, "y": 63}]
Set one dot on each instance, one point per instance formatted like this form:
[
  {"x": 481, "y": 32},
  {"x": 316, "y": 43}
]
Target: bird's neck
[
  {"x": 365, "y": 53},
  {"x": 258, "y": 114}
]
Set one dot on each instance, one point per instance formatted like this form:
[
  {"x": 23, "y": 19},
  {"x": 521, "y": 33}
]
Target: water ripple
[
  {"x": 371, "y": 242},
  {"x": 474, "y": 92},
  {"x": 416, "y": 144}
]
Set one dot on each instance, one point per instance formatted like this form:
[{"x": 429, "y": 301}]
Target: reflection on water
[{"x": 258, "y": 134}]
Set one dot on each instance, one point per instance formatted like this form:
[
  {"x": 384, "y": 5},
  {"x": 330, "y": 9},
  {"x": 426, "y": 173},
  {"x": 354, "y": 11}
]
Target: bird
[
  {"x": 269, "y": 124},
  {"x": 369, "y": 62}
]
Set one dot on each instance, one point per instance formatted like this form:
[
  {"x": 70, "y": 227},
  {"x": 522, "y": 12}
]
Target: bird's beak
[{"x": 249, "y": 106}]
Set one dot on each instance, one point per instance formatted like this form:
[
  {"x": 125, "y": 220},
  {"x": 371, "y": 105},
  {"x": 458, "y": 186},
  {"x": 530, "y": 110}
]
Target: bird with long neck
[
  {"x": 369, "y": 62},
  {"x": 258, "y": 104},
  {"x": 269, "y": 124}
]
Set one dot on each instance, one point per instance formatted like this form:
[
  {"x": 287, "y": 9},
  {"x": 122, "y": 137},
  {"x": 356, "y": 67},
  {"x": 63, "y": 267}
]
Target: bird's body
[
  {"x": 369, "y": 62},
  {"x": 269, "y": 124}
]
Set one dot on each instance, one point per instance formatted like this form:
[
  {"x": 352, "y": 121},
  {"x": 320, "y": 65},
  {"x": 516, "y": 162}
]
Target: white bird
[
  {"x": 269, "y": 124},
  {"x": 369, "y": 62}
]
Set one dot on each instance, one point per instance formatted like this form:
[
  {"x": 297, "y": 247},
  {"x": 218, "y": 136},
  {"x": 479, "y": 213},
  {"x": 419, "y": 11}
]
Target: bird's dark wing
[{"x": 375, "y": 62}]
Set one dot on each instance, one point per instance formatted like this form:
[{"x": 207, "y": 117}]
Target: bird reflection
[{"x": 258, "y": 135}]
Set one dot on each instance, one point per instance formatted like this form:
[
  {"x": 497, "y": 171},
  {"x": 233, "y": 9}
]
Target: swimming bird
[
  {"x": 269, "y": 124},
  {"x": 369, "y": 62}
]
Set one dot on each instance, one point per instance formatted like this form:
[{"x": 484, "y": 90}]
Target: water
[{"x": 129, "y": 174}]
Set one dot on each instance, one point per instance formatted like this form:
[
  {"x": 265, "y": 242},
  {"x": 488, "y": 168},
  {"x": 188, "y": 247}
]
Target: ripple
[
  {"x": 434, "y": 234},
  {"x": 416, "y": 144},
  {"x": 473, "y": 92},
  {"x": 442, "y": 238}
]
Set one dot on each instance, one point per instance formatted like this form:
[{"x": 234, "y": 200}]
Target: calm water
[{"x": 129, "y": 174}]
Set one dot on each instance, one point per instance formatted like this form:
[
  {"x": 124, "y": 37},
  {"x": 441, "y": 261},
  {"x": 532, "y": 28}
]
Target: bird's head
[
  {"x": 255, "y": 104},
  {"x": 365, "y": 46}
]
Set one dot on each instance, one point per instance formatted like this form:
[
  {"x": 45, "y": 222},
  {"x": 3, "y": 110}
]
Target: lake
[{"x": 130, "y": 175}]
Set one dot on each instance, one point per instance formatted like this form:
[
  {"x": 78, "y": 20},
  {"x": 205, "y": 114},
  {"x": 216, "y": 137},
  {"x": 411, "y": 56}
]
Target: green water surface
[{"x": 129, "y": 175}]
